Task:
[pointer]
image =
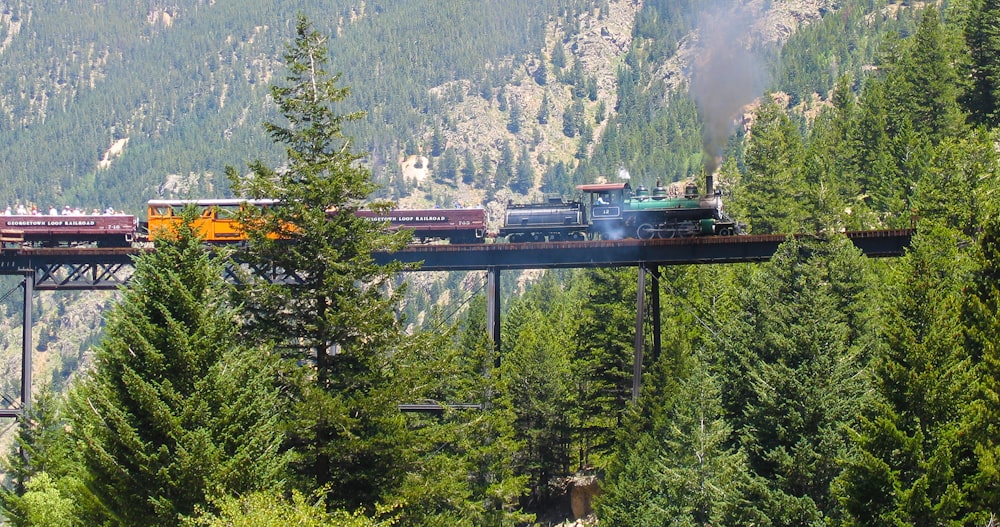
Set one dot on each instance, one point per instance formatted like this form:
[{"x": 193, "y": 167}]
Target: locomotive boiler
[
  {"x": 617, "y": 212},
  {"x": 612, "y": 211}
]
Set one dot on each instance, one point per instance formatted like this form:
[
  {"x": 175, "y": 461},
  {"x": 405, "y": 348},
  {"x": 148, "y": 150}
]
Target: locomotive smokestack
[
  {"x": 725, "y": 76},
  {"x": 712, "y": 165}
]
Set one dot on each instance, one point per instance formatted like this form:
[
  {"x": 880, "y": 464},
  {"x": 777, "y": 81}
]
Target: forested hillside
[{"x": 820, "y": 388}]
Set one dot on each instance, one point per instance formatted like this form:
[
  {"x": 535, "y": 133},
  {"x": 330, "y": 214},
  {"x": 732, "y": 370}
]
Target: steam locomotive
[
  {"x": 616, "y": 212},
  {"x": 605, "y": 211}
]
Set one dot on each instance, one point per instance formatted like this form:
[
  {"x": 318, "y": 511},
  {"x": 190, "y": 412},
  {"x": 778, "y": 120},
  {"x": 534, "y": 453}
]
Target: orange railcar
[{"x": 216, "y": 220}]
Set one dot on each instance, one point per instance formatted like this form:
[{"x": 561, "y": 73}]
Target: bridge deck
[
  {"x": 97, "y": 268},
  {"x": 613, "y": 253}
]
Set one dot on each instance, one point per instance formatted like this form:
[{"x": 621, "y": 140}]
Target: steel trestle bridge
[{"x": 65, "y": 269}]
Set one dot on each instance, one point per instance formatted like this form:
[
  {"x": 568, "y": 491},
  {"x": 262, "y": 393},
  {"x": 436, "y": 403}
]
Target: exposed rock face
[{"x": 583, "y": 490}]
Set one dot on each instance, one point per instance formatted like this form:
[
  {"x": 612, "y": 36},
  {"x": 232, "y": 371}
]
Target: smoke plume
[{"x": 726, "y": 75}]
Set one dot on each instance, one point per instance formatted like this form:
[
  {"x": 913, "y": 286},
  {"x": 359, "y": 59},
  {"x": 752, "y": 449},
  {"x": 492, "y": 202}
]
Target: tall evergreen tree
[
  {"x": 795, "y": 357},
  {"x": 982, "y": 36},
  {"x": 536, "y": 367},
  {"x": 468, "y": 168},
  {"x": 448, "y": 166},
  {"x": 337, "y": 320},
  {"x": 604, "y": 348},
  {"x": 773, "y": 179},
  {"x": 514, "y": 117},
  {"x": 913, "y": 465},
  {"x": 929, "y": 83},
  {"x": 505, "y": 167},
  {"x": 544, "y": 109},
  {"x": 178, "y": 410},
  {"x": 675, "y": 463},
  {"x": 981, "y": 317},
  {"x": 438, "y": 142},
  {"x": 524, "y": 174}
]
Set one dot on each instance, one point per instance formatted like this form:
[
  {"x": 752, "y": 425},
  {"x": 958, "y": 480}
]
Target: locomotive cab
[{"x": 606, "y": 201}]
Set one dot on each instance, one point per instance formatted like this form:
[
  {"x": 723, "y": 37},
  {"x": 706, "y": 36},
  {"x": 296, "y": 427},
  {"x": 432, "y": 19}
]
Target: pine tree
[
  {"x": 536, "y": 373},
  {"x": 44, "y": 469},
  {"x": 929, "y": 81},
  {"x": 674, "y": 462},
  {"x": 773, "y": 177},
  {"x": 701, "y": 476},
  {"x": 541, "y": 75},
  {"x": 524, "y": 175},
  {"x": 448, "y": 166},
  {"x": 913, "y": 464},
  {"x": 604, "y": 348},
  {"x": 514, "y": 118},
  {"x": 558, "y": 57},
  {"x": 982, "y": 36},
  {"x": 505, "y": 167},
  {"x": 438, "y": 142},
  {"x": 485, "y": 172},
  {"x": 544, "y": 109},
  {"x": 468, "y": 168},
  {"x": 177, "y": 410},
  {"x": 794, "y": 357},
  {"x": 337, "y": 322},
  {"x": 981, "y": 318}
]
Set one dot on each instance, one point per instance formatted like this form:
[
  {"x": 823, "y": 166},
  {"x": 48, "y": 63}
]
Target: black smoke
[{"x": 726, "y": 75}]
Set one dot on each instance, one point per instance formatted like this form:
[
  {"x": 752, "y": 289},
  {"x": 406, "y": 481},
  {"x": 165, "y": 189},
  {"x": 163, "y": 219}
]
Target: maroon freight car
[
  {"x": 453, "y": 225},
  {"x": 103, "y": 230}
]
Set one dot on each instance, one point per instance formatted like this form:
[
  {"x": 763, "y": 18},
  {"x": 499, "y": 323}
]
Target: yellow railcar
[{"x": 216, "y": 220}]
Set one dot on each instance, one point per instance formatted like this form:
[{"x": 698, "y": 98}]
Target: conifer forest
[{"x": 819, "y": 388}]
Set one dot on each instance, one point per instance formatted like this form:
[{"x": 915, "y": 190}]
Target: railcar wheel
[{"x": 645, "y": 231}]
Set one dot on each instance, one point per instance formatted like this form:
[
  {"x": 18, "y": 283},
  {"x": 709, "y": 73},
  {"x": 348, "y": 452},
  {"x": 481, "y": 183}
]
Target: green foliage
[
  {"x": 655, "y": 134},
  {"x": 794, "y": 357},
  {"x": 773, "y": 179},
  {"x": 524, "y": 173},
  {"x": 176, "y": 410},
  {"x": 337, "y": 322},
  {"x": 45, "y": 503},
  {"x": 271, "y": 509},
  {"x": 842, "y": 43},
  {"x": 43, "y": 468},
  {"x": 982, "y": 36},
  {"x": 465, "y": 473},
  {"x": 603, "y": 356},
  {"x": 914, "y": 463},
  {"x": 536, "y": 368},
  {"x": 980, "y": 317},
  {"x": 674, "y": 464}
]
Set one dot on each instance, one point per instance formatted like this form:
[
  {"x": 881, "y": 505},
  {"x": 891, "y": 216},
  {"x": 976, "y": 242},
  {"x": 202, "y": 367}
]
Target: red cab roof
[{"x": 603, "y": 187}]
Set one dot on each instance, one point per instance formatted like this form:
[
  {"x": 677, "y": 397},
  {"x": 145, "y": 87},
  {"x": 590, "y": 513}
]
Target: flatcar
[{"x": 53, "y": 230}]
